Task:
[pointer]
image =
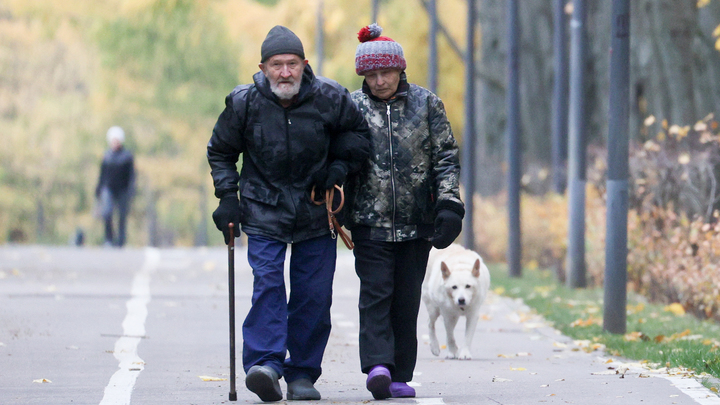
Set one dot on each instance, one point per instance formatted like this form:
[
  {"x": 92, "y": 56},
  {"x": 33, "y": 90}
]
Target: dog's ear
[
  {"x": 476, "y": 268},
  {"x": 445, "y": 270}
]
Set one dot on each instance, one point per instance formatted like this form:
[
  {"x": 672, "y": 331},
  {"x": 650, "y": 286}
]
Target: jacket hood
[{"x": 263, "y": 85}]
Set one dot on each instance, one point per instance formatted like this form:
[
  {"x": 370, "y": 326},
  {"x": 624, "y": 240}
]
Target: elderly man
[
  {"x": 116, "y": 186},
  {"x": 404, "y": 200},
  {"x": 295, "y": 131}
]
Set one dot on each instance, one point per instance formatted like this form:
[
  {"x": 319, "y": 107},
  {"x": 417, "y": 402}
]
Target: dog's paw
[
  {"x": 464, "y": 354},
  {"x": 435, "y": 350},
  {"x": 451, "y": 356}
]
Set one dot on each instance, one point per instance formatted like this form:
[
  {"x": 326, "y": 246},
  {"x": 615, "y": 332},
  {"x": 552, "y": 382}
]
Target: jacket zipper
[
  {"x": 392, "y": 172},
  {"x": 289, "y": 164}
]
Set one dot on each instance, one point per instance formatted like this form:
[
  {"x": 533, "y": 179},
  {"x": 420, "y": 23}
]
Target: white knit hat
[{"x": 115, "y": 132}]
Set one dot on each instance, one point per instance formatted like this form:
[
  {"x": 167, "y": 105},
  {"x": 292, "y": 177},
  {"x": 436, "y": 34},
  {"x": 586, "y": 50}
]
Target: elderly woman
[{"x": 405, "y": 200}]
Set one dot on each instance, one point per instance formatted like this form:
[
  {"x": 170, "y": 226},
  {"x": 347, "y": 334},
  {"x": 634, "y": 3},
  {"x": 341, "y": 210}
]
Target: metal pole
[
  {"x": 468, "y": 156},
  {"x": 231, "y": 293},
  {"x": 560, "y": 102},
  {"x": 616, "y": 249},
  {"x": 578, "y": 178},
  {"x": 375, "y": 11},
  {"x": 441, "y": 29},
  {"x": 432, "y": 45},
  {"x": 514, "y": 253},
  {"x": 320, "y": 39}
]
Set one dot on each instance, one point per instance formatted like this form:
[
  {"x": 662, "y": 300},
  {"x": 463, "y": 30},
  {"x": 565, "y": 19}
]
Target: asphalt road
[{"x": 149, "y": 326}]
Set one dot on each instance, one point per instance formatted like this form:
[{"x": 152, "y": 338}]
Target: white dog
[{"x": 456, "y": 284}]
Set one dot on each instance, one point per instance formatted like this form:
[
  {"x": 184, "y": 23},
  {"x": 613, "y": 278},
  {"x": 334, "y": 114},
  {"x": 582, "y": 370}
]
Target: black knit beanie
[{"x": 281, "y": 40}]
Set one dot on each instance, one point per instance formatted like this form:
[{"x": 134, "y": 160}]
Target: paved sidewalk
[
  {"x": 517, "y": 359},
  {"x": 64, "y": 310}
]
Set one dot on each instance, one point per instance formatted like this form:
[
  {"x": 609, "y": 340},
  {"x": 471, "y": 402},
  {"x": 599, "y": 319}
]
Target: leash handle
[{"x": 333, "y": 224}]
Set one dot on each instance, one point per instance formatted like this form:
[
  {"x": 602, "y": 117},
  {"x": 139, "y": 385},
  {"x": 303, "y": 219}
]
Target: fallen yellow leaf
[
  {"x": 518, "y": 368},
  {"x": 676, "y": 308},
  {"x": 684, "y": 333},
  {"x": 586, "y": 322},
  {"x": 634, "y": 309},
  {"x": 635, "y": 336},
  {"x": 208, "y": 378},
  {"x": 42, "y": 381}
]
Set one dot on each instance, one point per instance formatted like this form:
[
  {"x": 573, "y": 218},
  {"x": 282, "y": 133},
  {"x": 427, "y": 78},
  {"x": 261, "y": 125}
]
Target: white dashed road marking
[{"x": 120, "y": 387}]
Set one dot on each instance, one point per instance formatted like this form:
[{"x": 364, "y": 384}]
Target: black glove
[
  {"x": 228, "y": 211},
  {"x": 448, "y": 225},
  {"x": 317, "y": 181},
  {"x": 335, "y": 175}
]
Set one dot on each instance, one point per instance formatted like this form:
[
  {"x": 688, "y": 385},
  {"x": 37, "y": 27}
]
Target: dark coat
[
  {"x": 413, "y": 170},
  {"x": 282, "y": 148},
  {"x": 117, "y": 173}
]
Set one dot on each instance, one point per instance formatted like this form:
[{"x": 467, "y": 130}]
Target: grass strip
[{"x": 661, "y": 335}]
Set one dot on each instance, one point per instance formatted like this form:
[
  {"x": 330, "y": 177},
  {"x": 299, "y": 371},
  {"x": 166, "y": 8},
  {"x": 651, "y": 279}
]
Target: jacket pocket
[{"x": 260, "y": 193}]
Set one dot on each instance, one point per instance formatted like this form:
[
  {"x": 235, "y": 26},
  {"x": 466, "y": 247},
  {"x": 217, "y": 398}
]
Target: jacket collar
[
  {"x": 401, "y": 92},
  {"x": 263, "y": 85}
]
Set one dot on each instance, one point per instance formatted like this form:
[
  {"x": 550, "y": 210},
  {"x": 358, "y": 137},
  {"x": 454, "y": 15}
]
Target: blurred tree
[
  {"x": 674, "y": 71},
  {"x": 161, "y": 69},
  {"x": 180, "y": 48}
]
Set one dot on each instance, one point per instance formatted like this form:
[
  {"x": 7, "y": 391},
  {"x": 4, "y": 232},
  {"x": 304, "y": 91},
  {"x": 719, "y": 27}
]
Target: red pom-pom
[
  {"x": 364, "y": 35},
  {"x": 369, "y": 33}
]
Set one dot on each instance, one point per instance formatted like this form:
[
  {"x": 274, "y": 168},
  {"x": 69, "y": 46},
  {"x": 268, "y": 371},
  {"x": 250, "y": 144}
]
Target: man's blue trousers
[{"x": 299, "y": 326}]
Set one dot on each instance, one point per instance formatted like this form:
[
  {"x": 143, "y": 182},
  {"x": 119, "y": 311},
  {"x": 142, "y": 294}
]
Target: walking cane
[{"x": 231, "y": 293}]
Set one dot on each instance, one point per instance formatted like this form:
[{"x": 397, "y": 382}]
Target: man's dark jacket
[{"x": 282, "y": 148}]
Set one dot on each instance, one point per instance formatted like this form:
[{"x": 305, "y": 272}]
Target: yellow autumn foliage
[{"x": 160, "y": 69}]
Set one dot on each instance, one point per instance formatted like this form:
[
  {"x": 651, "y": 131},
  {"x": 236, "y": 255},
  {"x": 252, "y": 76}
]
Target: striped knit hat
[{"x": 375, "y": 52}]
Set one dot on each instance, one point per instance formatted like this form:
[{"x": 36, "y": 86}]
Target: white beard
[{"x": 285, "y": 91}]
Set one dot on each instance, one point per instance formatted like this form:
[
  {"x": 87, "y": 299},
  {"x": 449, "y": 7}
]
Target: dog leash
[{"x": 335, "y": 228}]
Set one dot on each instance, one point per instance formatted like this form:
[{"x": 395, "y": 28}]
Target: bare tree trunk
[
  {"x": 490, "y": 103},
  {"x": 707, "y": 61},
  {"x": 664, "y": 59}
]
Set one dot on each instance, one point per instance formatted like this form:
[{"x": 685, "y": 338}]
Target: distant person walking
[{"x": 116, "y": 186}]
